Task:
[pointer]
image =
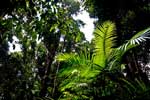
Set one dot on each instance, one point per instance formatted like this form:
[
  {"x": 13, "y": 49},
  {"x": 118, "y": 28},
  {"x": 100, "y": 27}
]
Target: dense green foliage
[
  {"x": 87, "y": 69},
  {"x": 55, "y": 62}
]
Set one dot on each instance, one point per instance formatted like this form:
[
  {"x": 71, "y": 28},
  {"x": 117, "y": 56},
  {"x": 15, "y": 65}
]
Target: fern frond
[{"x": 104, "y": 40}]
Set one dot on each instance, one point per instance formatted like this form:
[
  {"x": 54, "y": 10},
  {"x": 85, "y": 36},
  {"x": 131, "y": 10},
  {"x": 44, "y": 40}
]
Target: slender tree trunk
[
  {"x": 134, "y": 70},
  {"x": 52, "y": 47}
]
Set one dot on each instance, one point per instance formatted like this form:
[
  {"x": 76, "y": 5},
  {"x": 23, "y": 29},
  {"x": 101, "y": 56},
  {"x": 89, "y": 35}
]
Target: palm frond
[
  {"x": 77, "y": 71},
  {"x": 104, "y": 40},
  {"x": 65, "y": 57},
  {"x": 141, "y": 36},
  {"x": 135, "y": 40},
  {"x": 116, "y": 55},
  {"x": 77, "y": 63}
]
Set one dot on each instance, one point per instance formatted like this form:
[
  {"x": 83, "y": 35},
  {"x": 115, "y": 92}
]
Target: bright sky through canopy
[
  {"x": 87, "y": 29},
  {"x": 89, "y": 26}
]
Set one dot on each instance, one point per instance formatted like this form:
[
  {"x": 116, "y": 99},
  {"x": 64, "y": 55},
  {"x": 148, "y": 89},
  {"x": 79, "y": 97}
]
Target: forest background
[{"x": 57, "y": 63}]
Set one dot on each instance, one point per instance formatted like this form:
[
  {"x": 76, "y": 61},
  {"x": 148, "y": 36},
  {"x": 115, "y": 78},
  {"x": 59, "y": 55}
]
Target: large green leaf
[{"x": 104, "y": 36}]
